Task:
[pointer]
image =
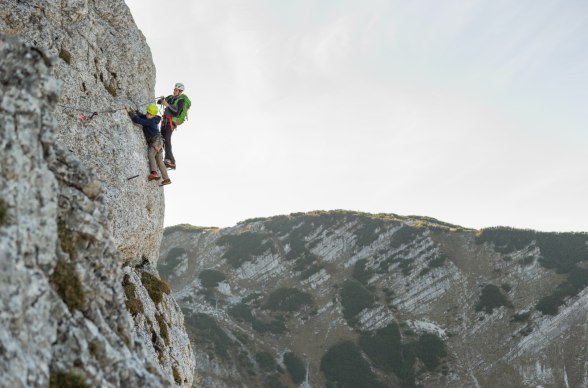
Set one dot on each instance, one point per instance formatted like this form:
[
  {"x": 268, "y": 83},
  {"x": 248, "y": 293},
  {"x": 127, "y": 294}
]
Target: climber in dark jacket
[
  {"x": 174, "y": 106},
  {"x": 150, "y": 122}
]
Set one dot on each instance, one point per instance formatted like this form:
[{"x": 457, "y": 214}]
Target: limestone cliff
[
  {"x": 104, "y": 64},
  {"x": 381, "y": 301},
  {"x": 80, "y": 299}
]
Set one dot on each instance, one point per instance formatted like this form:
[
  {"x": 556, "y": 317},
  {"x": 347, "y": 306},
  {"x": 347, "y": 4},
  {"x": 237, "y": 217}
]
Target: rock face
[
  {"x": 80, "y": 299},
  {"x": 381, "y": 301},
  {"x": 104, "y": 64}
]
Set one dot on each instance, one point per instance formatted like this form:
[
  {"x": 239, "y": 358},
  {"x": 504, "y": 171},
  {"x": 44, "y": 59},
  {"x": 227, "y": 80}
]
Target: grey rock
[
  {"x": 103, "y": 64},
  {"x": 69, "y": 218}
]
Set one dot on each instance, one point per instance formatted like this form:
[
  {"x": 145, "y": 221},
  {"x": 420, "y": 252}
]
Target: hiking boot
[
  {"x": 169, "y": 164},
  {"x": 153, "y": 176},
  {"x": 165, "y": 182}
]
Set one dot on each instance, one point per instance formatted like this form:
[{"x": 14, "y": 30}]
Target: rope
[
  {"x": 87, "y": 120},
  {"x": 88, "y": 110},
  {"x": 79, "y": 109}
]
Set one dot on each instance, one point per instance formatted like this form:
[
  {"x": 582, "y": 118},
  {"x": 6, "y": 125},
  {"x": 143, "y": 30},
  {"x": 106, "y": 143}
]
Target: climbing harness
[{"x": 169, "y": 121}]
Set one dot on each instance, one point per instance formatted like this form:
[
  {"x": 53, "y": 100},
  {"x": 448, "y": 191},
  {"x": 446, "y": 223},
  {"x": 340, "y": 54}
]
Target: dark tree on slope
[{"x": 344, "y": 366}]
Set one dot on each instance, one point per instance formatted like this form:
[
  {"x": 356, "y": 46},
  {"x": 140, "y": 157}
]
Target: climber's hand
[{"x": 131, "y": 113}]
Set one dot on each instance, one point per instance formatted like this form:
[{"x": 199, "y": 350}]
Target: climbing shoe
[
  {"x": 165, "y": 182},
  {"x": 153, "y": 176}
]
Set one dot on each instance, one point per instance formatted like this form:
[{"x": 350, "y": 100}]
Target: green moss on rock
[
  {"x": 177, "y": 377},
  {"x": 163, "y": 331},
  {"x": 66, "y": 380},
  {"x": 133, "y": 304},
  {"x": 111, "y": 88},
  {"x": 155, "y": 287},
  {"x": 68, "y": 285},
  {"x": 67, "y": 239},
  {"x": 94, "y": 348},
  {"x": 3, "y": 212},
  {"x": 65, "y": 55}
]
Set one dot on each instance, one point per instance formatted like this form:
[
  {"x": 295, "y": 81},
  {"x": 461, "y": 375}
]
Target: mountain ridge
[{"x": 506, "y": 294}]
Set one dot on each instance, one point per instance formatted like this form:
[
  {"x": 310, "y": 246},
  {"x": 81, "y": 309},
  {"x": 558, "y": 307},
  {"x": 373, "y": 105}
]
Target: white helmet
[{"x": 179, "y": 86}]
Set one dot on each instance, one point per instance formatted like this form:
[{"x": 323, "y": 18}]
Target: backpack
[{"x": 179, "y": 119}]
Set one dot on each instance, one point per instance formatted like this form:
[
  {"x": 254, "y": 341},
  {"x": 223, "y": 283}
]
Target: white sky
[{"x": 471, "y": 112}]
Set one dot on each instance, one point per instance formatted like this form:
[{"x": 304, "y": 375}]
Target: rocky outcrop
[
  {"x": 382, "y": 300},
  {"x": 103, "y": 64},
  {"x": 80, "y": 300}
]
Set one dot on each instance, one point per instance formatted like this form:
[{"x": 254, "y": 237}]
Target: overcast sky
[{"x": 472, "y": 112}]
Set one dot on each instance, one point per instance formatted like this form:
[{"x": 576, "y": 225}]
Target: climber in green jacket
[{"x": 176, "y": 111}]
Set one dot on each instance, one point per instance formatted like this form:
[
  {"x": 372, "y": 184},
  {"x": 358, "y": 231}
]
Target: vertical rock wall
[
  {"x": 80, "y": 301},
  {"x": 104, "y": 64}
]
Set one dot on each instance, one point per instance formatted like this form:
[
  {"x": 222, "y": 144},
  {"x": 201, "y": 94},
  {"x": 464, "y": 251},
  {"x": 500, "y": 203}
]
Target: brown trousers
[{"x": 155, "y": 154}]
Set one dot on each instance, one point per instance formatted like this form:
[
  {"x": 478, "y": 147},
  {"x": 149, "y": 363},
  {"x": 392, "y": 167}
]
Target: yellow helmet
[{"x": 152, "y": 109}]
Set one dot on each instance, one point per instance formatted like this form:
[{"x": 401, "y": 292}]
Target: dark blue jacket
[{"x": 150, "y": 126}]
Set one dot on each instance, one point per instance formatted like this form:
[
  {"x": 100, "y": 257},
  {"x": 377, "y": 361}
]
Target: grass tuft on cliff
[
  {"x": 133, "y": 303},
  {"x": 67, "y": 284},
  {"x": 155, "y": 287},
  {"x": 177, "y": 377},
  {"x": 67, "y": 239},
  {"x": 163, "y": 331},
  {"x": 66, "y": 380},
  {"x": 3, "y": 212}
]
